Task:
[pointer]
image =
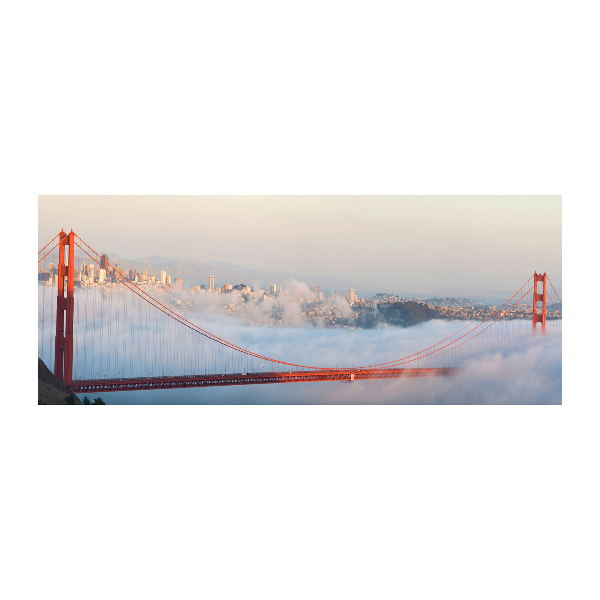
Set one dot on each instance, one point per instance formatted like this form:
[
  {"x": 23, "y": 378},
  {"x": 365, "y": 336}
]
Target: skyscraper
[
  {"x": 105, "y": 264},
  {"x": 163, "y": 277},
  {"x": 351, "y": 296},
  {"x": 211, "y": 283}
]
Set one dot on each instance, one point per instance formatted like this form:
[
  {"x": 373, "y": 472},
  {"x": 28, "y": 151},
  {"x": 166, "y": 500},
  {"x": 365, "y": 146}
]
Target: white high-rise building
[
  {"x": 273, "y": 289},
  {"x": 211, "y": 283},
  {"x": 163, "y": 277}
]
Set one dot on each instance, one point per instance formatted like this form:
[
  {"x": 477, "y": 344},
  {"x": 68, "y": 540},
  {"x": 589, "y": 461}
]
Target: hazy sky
[{"x": 442, "y": 245}]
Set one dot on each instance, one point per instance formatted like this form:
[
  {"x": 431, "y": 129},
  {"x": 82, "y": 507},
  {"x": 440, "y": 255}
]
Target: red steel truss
[{"x": 186, "y": 381}]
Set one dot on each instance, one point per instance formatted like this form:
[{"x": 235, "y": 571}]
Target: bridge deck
[{"x": 186, "y": 381}]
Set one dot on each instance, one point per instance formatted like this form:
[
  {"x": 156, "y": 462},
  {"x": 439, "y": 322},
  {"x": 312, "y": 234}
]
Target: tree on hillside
[
  {"x": 98, "y": 400},
  {"x": 70, "y": 399}
]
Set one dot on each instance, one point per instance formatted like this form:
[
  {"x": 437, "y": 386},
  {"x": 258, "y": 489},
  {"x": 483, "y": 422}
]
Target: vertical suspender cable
[{"x": 43, "y": 310}]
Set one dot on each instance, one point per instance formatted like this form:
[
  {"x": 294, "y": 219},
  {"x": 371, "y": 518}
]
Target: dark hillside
[
  {"x": 407, "y": 314},
  {"x": 398, "y": 314},
  {"x": 51, "y": 390}
]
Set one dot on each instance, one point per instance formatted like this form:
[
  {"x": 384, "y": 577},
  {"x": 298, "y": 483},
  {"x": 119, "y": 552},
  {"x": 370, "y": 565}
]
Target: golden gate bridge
[{"x": 126, "y": 339}]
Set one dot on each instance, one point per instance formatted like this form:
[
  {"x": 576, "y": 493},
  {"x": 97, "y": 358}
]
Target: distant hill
[
  {"x": 51, "y": 390},
  {"x": 195, "y": 272}
]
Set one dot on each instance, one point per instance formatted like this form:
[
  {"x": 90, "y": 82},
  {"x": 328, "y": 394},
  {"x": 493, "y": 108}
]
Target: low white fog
[{"x": 527, "y": 370}]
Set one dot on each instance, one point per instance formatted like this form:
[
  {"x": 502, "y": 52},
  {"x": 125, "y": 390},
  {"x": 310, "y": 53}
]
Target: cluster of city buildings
[
  {"x": 481, "y": 313},
  {"x": 90, "y": 275}
]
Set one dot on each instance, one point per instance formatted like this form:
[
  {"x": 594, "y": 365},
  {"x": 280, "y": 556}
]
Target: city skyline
[
  {"x": 86, "y": 274},
  {"x": 318, "y": 308},
  {"x": 410, "y": 245}
]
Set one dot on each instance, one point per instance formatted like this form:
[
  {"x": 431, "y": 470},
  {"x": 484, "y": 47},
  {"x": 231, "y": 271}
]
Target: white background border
[{"x": 300, "y": 502}]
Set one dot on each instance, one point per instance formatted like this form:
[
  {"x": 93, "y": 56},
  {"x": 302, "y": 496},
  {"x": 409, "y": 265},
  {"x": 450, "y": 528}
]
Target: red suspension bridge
[{"x": 117, "y": 336}]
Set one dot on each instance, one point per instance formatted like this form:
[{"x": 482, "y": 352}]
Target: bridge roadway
[{"x": 186, "y": 381}]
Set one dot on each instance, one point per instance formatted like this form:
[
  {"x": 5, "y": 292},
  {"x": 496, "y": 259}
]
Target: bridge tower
[
  {"x": 539, "y": 298},
  {"x": 63, "y": 342}
]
